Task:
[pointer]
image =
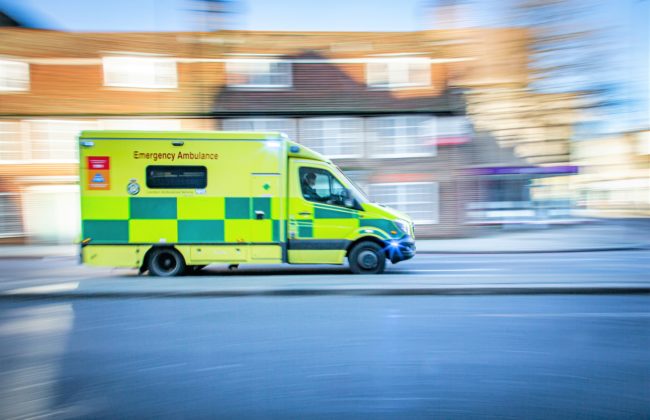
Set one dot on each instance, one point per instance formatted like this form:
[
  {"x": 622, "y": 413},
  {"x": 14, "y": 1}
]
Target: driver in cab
[{"x": 309, "y": 190}]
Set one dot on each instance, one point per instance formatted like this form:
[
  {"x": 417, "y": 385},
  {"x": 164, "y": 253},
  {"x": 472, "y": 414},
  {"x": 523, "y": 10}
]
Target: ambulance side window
[
  {"x": 319, "y": 185},
  {"x": 167, "y": 176}
]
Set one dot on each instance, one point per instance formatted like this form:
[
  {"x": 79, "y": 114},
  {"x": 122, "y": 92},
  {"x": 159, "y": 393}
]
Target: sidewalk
[
  {"x": 603, "y": 235},
  {"x": 597, "y": 236}
]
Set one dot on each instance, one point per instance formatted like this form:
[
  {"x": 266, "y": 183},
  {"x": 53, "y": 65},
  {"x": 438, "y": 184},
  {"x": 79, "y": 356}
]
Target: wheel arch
[
  {"x": 364, "y": 239},
  {"x": 147, "y": 255}
]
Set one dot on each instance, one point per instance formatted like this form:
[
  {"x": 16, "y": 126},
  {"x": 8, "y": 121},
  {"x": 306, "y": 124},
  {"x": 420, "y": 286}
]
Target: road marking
[
  {"x": 574, "y": 314},
  {"x": 453, "y": 269},
  {"x": 47, "y": 288},
  {"x": 167, "y": 366},
  {"x": 209, "y": 369}
]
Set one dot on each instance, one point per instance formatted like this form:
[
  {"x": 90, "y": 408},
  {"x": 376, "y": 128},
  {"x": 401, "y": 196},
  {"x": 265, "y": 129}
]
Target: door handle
[{"x": 305, "y": 213}]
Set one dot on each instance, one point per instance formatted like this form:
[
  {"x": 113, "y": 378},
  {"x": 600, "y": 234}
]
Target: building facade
[
  {"x": 615, "y": 180},
  {"x": 389, "y": 108}
]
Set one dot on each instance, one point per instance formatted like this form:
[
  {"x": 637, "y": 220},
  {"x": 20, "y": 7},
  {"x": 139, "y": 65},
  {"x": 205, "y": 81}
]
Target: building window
[
  {"x": 10, "y": 218},
  {"x": 56, "y": 140},
  {"x": 398, "y": 73},
  {"x": 282, "y": 125},
  {"x": 177, "y": 177},
  {"x": 11, "y": 144},
  {"x": 452, "y": 130},
  {"x": 402, "y": 136},
  {"x": 262, "y": 74},
  {"x": 417, "y": 199},
  {"x": 14, "y": 76},
  {"x": 140, "y": 72},
  {"x": 333, "y": 137}
]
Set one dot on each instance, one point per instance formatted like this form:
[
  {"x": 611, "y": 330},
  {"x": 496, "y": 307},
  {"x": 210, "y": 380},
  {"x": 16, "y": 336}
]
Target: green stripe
[
  {"x": 102, "y": 231},
  {"x": 330, "y": 213},
  {"x": 200, "y": 231},
  {"x": 238, "y": 208},
  {"x": 276, "y": 231},
  {"x": 262, "y": 204},
  {"x": 305, "y": 231},
  {"x": 385, "y": 225},
  {"x": 153, "y": 208}
]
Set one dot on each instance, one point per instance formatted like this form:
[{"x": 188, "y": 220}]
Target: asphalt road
[
  {"x": 343, "y": 356},
  {"x": 585, "y": 269},
  {"x": 327, "y": 357}
]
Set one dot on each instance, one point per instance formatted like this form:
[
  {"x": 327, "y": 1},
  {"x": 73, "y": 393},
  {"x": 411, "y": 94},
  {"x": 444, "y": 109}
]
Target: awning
[{"x": 526, "y": 170}]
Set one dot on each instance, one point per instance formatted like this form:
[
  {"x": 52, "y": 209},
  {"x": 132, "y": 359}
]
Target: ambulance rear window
[{"x": 177, "y": 176}]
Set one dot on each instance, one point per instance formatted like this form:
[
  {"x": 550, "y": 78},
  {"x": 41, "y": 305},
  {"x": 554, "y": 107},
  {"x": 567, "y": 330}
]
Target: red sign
[
  {"x": 99, "y": 176},
  {"x": 99, "y": 162}
]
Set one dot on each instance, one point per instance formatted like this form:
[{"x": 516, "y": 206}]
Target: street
[
  {"x": 319, "y": 357},
  {"x": 346, "y": 355},
  {"x": 621, "y": 269}
]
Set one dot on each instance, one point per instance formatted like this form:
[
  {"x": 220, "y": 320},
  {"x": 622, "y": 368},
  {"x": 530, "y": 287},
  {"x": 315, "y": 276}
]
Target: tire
[
  {"x": 367, "y": 258},
  {"x": 166, "y": 262}
]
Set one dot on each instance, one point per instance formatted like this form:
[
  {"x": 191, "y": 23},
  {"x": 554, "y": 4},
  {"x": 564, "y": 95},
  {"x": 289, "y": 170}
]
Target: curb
[
  {"x": 37, "y": 257},
  {"x": 442, "y": 291},
  {"x": 545, "y": 251}
]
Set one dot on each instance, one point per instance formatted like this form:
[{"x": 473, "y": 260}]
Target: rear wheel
[
  {"x": 166, "y": 262},
  {"x": 367, "y": 258}
]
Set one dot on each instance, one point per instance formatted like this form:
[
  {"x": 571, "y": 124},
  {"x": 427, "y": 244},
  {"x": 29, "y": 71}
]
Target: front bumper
[{"x": 400, "y": 249}]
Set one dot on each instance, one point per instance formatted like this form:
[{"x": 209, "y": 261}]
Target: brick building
[{"x": 387, "y": 107}]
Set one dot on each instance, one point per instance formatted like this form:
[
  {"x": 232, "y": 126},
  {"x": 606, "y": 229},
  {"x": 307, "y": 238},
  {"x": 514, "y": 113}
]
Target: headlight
[{"x": 403, "y": 225}]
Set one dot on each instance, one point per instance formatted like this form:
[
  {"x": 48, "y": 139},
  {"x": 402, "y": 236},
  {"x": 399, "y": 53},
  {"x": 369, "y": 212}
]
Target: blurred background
[
  {"x": 471, "y": 116},
  {"x": 513, "y": 132}
]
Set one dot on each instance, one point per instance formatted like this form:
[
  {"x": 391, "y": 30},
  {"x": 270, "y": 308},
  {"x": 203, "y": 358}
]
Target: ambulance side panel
[{"x": 237, "y": 216}]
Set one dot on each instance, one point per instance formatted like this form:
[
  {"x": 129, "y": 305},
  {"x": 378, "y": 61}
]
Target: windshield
[{"x": 357, "y": 192}]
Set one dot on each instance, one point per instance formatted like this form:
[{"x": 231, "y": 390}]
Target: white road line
[
  {"x": 574, "y": 314},
  {"x": 47, "y": 288},
  {"x": 445, "y": 270}
]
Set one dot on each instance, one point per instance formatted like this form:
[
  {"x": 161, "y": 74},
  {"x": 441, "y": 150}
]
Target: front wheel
[
  {"x": 166, "y": 262},
  {"x": 367, "y": 258}
]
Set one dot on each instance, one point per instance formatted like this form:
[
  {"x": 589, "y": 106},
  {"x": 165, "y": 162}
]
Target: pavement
[
  {"x": 614, "y": 272},
  {"x": 598, "y": 235}
]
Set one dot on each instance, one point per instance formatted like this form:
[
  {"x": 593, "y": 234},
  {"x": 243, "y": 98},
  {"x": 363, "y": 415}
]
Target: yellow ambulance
[{"x": 173, "y": 202}]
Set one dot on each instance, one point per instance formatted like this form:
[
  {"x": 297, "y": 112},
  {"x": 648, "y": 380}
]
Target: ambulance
[{"x": 174, "y": 202}]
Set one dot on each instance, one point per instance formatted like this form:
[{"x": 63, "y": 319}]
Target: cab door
[{"x": 321, "y": 214}]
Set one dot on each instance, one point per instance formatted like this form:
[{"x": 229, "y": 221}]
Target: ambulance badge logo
[
  {"x": 98, "y": 179},
  {"x": 133, "y": 188}
]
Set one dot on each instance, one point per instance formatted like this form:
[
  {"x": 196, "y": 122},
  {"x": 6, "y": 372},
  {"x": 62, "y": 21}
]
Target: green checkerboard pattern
[
  {"x": 195, "y": 219},
  {"x": 117, "y": 220}
]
